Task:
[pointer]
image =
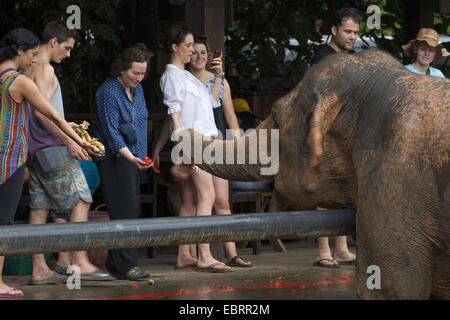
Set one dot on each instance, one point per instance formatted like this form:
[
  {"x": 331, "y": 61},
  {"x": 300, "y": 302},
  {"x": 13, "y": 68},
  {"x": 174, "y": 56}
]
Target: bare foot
[
  {"x": 183, "y": 262},
  {"x": 345, "y": 256},
  {"x": 5, "y": 290},
  {"x": 88, "y": 269},
  {"x": 42, "y": 275}
]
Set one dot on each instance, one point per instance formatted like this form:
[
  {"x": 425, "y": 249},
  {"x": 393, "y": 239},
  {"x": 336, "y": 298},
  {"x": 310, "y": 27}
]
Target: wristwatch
[{"x": 222, "y": 75}]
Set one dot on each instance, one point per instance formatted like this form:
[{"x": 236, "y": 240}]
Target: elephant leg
[
  {"x": 441, "y": 272},
  {"x": 391, "y": 232},
  {"x": 441, "y": 277},
  {"x": 391, "y": 260}
]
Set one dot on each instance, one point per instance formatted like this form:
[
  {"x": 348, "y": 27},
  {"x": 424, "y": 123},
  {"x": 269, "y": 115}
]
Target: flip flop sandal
[
  {"x": 212, "y": 268},
  {"x": 319, "y": 264},
  {"x": 348, "y": 263},
  {"x": 8, "y": 294},
  {"x": 97, "y": 275},
  {"x": 59, "y": 269},
  {"x": 56, "y": 278},
  {"x": 233, "y": 262}
]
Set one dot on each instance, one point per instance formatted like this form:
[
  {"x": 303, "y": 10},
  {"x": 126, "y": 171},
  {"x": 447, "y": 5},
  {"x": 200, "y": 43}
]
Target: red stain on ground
[{"x": 209, "y": 291}]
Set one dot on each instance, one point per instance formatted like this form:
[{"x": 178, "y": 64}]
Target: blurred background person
[{"x": 423, "y": 50}]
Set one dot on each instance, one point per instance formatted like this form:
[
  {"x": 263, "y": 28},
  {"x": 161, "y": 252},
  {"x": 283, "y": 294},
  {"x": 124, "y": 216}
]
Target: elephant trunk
[{"x": 252, "y": 157}]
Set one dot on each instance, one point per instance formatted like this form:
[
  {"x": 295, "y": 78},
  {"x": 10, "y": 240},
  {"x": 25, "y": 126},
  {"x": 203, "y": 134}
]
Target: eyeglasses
[{"x": 201, "y": 53}]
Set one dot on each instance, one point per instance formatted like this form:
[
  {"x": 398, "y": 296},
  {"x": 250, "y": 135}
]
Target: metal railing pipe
[{"x": 153, "y": 232}]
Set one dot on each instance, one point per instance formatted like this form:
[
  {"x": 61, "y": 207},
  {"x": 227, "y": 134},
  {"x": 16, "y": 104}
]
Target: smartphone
[{"x": 216, "y": 54}]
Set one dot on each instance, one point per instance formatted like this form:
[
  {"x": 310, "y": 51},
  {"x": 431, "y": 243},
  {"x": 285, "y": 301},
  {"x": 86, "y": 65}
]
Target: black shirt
[{"x": 323, "y": 52}]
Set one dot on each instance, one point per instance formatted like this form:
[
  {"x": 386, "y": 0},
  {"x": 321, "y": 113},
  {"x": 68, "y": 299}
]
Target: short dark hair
[
  {"x": 136, "y": 53},
  {"x": 58, "y": 30},
  {"x": 176, "y": 34},
  {"x": 16, "y": 39},
  {"x": 202, "y": 39},
  {"x": 344, "y": 14}
]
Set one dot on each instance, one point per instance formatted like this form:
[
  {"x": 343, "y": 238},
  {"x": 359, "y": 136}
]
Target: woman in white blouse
[{"x": 189, "y": 102}]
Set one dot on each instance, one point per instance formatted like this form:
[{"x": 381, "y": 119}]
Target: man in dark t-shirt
[
  {"x": 344, "y": 32},
  {"x": 345, "y": 29}
]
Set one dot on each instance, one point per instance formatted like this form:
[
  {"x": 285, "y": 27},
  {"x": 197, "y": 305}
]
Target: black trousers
[
  {"x": 120, "y": 188},
  {"x": 10, "y": 193}
]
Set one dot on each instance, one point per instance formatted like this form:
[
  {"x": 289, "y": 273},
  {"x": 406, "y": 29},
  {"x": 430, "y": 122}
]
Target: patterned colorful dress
[{"x": 14, "y": 118}]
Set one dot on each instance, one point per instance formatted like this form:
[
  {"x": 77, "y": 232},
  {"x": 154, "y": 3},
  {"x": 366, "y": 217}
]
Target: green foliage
[
  {"x": 262, "y": 30},
  {"x": 99, "y": 42}
]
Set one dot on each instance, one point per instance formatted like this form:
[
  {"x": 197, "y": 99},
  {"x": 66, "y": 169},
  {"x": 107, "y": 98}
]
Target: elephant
[{"x": 361, "y": 131}]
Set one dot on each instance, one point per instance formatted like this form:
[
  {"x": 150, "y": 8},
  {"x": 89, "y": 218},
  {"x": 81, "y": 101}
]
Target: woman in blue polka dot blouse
[{"x": 121, "y": 125}]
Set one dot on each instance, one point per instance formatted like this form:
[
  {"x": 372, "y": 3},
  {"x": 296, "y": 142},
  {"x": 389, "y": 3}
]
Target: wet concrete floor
[{"x": 275, "y": 276}]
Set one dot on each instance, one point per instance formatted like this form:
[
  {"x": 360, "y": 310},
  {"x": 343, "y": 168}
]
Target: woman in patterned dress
[{"x": 18, "y": 51}]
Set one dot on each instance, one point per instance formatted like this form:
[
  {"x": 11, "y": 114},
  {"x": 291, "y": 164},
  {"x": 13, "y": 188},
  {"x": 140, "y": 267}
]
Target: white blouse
[{"x": 184, "y": 93}]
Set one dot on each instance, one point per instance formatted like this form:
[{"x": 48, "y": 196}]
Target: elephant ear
[{"x": 323, "y": 116}]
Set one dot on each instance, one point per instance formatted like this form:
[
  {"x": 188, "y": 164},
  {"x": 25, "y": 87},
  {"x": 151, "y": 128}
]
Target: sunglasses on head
[{"x": 202, "y": 39}]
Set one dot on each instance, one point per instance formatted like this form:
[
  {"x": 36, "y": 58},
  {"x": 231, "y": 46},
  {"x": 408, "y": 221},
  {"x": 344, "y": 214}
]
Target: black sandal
[
  {"x": 135, "y": 274},
  {"x": 233, "y": 263}
]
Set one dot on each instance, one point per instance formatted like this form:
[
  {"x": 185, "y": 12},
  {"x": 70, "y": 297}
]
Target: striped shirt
[{"x": 14, "y": 118}]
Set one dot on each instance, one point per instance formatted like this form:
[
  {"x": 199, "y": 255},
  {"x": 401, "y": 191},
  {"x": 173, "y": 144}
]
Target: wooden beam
[
  {"x": 426, "y": 13},
  {"x": 207, "y": 17}
]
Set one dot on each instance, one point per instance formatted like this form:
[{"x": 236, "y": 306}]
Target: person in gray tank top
[
  {"x": 40, "y": 137},
  {"x": 56, "y": 179}
]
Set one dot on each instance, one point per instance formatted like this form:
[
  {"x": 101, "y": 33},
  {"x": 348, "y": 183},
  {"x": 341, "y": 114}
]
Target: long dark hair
[
  {"x": 16, "y": 39},
  {"x": 176, "y": 34}
]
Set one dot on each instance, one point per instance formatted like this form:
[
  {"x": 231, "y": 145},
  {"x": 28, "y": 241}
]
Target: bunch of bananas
[{"x": 82, "y": 132}]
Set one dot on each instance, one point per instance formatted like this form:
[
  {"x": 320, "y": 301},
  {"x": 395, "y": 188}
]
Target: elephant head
[{"x": 360, "y": 131}]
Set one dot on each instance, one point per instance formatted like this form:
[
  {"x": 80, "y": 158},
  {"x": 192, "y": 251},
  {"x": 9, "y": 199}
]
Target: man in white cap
[{"x": 423, "y": 50}]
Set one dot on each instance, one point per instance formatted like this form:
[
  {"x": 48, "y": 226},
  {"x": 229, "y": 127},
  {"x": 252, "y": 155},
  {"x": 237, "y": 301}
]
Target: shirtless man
[{"x": 56, "y": 179}]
